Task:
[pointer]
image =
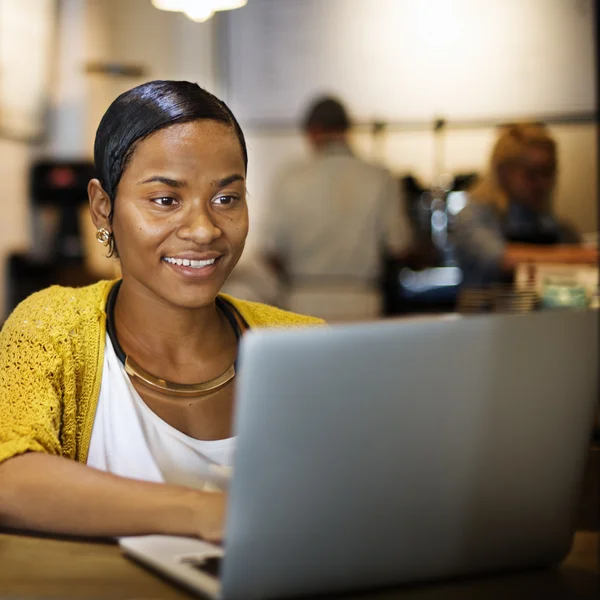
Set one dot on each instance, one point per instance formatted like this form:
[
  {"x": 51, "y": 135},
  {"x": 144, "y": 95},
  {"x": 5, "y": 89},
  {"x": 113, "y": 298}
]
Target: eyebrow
[
  {"x": 176, "y": 183},
  {"x": 220, "y": 183}
]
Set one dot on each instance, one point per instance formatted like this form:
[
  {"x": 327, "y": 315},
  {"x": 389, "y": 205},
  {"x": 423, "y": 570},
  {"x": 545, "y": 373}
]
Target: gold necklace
[
  {"x": 178, "y": 389},
  {"x": 137, "y": 373}
]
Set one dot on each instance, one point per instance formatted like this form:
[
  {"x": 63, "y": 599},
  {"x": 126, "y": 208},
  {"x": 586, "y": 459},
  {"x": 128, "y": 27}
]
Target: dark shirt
[{"x": 482, "y": 233}]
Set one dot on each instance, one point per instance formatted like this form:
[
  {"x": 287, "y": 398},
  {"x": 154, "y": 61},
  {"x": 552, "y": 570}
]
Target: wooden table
[{"x": 43, "y": 567}]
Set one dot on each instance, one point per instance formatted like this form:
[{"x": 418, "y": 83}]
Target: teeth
[
  {"x": 185, "y": 262},
  {"x": 198, "y": 264}
]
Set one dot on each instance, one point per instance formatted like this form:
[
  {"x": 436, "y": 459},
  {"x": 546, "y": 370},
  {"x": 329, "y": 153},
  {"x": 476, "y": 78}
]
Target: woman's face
[
  {"x": 530, "y": 181},
  {"x": 180, "y": 216}
]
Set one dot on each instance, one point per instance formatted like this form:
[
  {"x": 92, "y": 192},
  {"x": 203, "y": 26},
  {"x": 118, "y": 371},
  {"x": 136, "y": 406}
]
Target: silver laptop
[{"x": 398, "y": 452}]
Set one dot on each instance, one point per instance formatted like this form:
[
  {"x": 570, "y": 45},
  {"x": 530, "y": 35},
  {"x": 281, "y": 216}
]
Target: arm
[
  {"x": 41, "y": 486},
  {"x": 396, "y": 228},
  {"x": 479, "y": 244},
  {"x": 482, "y": 249},
  {"x": 52, "y": 494}
]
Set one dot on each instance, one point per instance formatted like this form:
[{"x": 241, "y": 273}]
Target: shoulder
[
  {"x": 59, "y": 307},
  {"x": 257, "y": 314},
  {"x": 295, "y": 170},
  {"x": 368, "y": 173}
]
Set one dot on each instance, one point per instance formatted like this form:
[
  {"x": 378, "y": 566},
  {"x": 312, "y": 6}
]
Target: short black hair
[
  {"x": 145, "y": 109},
  {"x": 327, "y": 113}
]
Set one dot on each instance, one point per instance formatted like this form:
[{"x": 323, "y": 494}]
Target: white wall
[
  {"x": 68, "y": 101},
  {"x": 413, "y": 60},
  {"x": 166, "y": 44},
  {"x": 14, "y": 224},
  {"x": 66, "y": 118}
]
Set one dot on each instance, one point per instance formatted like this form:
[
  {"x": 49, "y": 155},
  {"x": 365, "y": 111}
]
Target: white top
[{"x": 130, "y": 440}]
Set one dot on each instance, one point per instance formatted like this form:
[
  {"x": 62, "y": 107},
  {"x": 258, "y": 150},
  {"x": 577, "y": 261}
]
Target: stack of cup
[
  {"x": 506, "y": 299},
  {"x": 474, "y": 300}
]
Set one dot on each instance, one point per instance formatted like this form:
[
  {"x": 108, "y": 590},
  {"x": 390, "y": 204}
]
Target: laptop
[{"x": 398, "y": 452}]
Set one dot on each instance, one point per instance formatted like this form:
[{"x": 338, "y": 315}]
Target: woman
[
  {"x": 509, "y": 218},
  {"x": 116, "y": 400}
]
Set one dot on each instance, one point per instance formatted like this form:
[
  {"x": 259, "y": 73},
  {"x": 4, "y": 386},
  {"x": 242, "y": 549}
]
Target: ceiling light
[
  {"x": 227, "y": 4},
  {"x": 199, "y": 11},
  {"x": 170, "y": 5}
]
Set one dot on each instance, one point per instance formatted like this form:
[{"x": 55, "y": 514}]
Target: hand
[{"x": 209, "y": 515}]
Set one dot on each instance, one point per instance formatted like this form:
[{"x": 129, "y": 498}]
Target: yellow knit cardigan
[{"x": 51, "y": 357}]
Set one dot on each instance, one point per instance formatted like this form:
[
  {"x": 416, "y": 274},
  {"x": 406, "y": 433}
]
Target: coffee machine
[{"x": 58, "y": 191}]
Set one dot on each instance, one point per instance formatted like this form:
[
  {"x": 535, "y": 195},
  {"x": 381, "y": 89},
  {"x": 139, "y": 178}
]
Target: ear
[{"x": 99, "y": 204}]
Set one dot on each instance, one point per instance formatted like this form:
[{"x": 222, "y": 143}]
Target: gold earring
[{"x": 104, "y": 236}]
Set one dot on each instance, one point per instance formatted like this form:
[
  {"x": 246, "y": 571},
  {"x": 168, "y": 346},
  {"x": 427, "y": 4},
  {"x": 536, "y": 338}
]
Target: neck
[
  {"x": 148, "y": 327},
  {"x": 327, "y": 141}
]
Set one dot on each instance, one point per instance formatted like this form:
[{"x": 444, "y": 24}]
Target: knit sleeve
[{"x": 31, "y": 380}]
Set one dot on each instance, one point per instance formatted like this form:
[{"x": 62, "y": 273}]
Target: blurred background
[{"x": 427, "y": 84}]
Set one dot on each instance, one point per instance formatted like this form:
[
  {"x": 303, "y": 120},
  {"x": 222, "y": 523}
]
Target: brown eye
[
  {"x": 165, "y": 201},
  {"x": 225, "y": 200}
]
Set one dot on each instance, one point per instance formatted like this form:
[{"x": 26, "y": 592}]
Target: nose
[{"x": 199, "y": 227}]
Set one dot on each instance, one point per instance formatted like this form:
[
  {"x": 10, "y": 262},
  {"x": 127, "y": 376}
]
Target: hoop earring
[{"x": 104, "y": 236}]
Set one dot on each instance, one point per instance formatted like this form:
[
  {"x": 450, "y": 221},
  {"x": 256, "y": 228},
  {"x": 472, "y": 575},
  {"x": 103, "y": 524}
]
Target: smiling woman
[
  {"x": 180, "y": 199},
  {"x": 117, "y": 400}
]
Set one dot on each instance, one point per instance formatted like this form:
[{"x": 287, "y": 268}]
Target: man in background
[{"x": 331, "y": 221}]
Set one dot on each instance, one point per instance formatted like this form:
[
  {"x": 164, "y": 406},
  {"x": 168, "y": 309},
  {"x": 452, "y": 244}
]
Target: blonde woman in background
[{"x": 509, "y": 217}]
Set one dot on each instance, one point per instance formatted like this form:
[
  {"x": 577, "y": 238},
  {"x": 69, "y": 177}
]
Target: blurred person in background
[
  {"x": 509, "y": 218},
  {"x": 331, "y": 221}
]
